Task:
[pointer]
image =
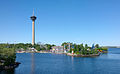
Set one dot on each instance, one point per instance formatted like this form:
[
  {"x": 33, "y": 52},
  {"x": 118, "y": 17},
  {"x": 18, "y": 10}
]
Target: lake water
[{"x": 42, "y": 63}]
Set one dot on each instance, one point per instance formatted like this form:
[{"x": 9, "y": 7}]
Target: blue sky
[{"x": 77, "y": 21}]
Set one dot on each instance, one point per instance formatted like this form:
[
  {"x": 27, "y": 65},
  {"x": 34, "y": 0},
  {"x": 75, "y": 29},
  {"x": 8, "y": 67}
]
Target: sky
[{"x": 58, "y": 21}]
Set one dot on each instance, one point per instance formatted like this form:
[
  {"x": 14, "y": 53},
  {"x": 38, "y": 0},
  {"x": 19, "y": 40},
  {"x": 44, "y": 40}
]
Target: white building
[{"x": 57, "y": 49}]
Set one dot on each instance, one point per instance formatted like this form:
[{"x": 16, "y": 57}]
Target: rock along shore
[
  {"x": 81, "y": 55},
  {"x": 11, "y": 66}
]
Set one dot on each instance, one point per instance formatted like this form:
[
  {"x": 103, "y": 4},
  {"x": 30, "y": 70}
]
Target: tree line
[{"x": 83, "y": 49}]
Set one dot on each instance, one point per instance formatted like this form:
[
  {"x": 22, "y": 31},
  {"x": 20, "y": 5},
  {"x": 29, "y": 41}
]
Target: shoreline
[
  {"x": 81, "y": 55},
  {"x": 11, "y": 66},
  {"x": 70, "y": 54}
]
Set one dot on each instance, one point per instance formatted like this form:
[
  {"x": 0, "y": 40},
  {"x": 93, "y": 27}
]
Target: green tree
[
  {"x": 97, "y": 45},
  {"x": 7, "y": 53},
  {"x": 48, "y": 46},
  {"x": 86, "y": 46}
]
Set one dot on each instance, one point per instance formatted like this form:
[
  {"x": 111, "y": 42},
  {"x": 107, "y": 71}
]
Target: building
[
  {"x": 32, "y": 50},
  {"x": 20, "y": 50},
  {"x": 57, "y": 49}
]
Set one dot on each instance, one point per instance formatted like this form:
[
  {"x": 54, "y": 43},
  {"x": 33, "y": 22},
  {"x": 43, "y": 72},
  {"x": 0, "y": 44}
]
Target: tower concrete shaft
[{"x": 33, "y": 32}]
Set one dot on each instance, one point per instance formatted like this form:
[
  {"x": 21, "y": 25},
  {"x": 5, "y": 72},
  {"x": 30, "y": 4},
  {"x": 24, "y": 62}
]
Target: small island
[{"x": 80, "y": 50}]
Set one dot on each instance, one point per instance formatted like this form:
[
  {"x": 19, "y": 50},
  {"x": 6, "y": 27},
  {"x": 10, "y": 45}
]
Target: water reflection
[
  {"x": 72, "y": 58},
  {"x": 32, "y": 64},
  {"x": 72, "y": 62}
]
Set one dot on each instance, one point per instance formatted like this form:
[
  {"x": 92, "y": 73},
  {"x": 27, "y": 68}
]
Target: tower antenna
[{"x": 33, "y": 11}]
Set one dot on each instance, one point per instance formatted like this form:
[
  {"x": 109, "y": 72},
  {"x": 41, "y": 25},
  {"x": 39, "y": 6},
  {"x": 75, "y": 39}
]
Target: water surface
[{"x": 42, "y": 63}]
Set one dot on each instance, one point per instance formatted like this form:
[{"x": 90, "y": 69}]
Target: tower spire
[{"x": 33, "y": 11}]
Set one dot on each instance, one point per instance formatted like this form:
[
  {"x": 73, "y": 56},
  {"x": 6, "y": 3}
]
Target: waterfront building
[
  {"x": 57, "y": 49},
  {"x": 20, "y": 50},
  {"x": 32, "y": 50}
]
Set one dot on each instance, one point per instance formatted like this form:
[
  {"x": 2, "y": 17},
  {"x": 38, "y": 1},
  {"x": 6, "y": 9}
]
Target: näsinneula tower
[{"x": 33, "y": 18}]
